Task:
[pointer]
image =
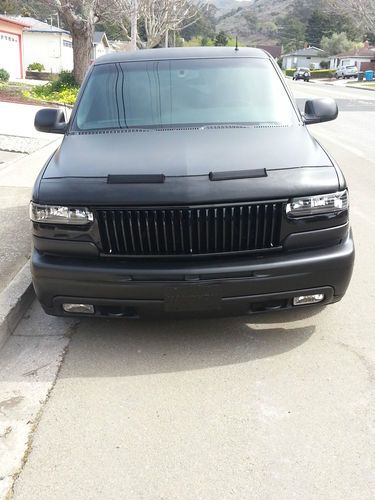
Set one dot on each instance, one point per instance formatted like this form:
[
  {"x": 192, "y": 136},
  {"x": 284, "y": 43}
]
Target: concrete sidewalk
[{"x": 16, "y": 180}]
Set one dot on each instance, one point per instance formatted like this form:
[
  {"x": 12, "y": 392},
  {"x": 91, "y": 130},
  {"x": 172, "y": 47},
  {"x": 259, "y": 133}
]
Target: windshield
[{"x": 182, "y": 93}]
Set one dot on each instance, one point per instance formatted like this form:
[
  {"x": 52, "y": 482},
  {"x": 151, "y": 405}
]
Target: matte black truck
[{"x": 187, "y": 183}]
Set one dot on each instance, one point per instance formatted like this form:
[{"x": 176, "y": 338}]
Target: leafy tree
[
  {"x": 269, "y": 28},
  {"x": 221, "y": 39},
  {"x": 318, "y": 25},
  {"x": 336, "y": 43},
  {"x": 291, "y": 32},
  {"x": 370, "y": 37}
]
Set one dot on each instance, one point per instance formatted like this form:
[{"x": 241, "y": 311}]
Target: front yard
[
  {"x": 62, "y": 90},
  {"x": 14, "y": 92}
]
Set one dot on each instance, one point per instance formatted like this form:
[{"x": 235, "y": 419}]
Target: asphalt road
[{"x": 275, "y": 407}]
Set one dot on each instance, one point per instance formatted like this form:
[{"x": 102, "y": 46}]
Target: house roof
[
  {"x": 274, "y": 50},
  {"x": 309, "y": 51},
  {"x": 14, "y": 21},
  {"x": 100, "y": 36},
  {"x": 361, "y": 52},
  {"x": 38, "y": 26}
]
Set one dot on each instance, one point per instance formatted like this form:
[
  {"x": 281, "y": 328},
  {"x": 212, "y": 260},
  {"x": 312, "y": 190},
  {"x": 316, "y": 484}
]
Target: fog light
[
  {"x": 301, "y": 300},
  {"x": 78, "y": 308}
]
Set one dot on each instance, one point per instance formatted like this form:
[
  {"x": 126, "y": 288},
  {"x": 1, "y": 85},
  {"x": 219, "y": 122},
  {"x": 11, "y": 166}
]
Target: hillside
[
  {"x": 258, "y": 21},
  {"x": 225, "y": 6}
]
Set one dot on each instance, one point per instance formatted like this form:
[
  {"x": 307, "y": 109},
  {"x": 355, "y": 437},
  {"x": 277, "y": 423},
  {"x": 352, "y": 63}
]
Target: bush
[
  {"x": 64, "y": 89},
  {"x": 323, "y": 73},
  {"x": 4, "y": 75},
  {"x": 35, "y": 67},
  {"x": 64, "y": 81},
  {"x": 324, "y": 64}
]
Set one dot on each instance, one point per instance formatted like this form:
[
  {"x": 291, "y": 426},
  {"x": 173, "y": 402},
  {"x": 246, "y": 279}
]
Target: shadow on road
[{"x": 107, "y": 348}]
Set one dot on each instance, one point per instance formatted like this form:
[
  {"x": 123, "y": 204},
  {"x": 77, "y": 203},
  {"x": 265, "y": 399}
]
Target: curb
[
  {"x": 14, "y": 301},
  {"x": 353, "y": 86}
]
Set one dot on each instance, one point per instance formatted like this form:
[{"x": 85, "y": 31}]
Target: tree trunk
[
  {"x": 82, "y": 49},
  {"x": 134, "y": 27}
]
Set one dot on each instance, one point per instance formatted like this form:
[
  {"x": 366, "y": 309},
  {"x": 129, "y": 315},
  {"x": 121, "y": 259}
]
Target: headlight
[
  {"x": 320, "y": 204},
  {"x": 52, "y": 214}
]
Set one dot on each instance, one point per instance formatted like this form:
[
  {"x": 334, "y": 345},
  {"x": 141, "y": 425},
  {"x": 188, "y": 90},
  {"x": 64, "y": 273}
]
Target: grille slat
[
  {"x": 140, "y": 231},
  {"x": 130, "y": 222},
  {"x": 206, "y": 230},
  {"x": 147, "y": 220},
  {"x": 123, "y": 232},
  {"x": 190, "y": 231},
  {"x": 156, "y": 231}
]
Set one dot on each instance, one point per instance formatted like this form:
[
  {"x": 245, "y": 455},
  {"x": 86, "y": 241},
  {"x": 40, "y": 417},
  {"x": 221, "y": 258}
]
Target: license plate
[{"x": 193, "y": 298}]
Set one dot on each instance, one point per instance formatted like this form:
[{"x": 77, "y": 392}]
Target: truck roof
[{"x": 181, "y": 53}]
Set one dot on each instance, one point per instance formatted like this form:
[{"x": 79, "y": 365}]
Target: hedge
[{"x": 315, "y": 73}]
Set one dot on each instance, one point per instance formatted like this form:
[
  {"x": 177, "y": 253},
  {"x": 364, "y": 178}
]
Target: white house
[
  {"x": 308, "y": 57},
  {"x": 11, "y": 46},
  {"x": 100, "y": 44},
  {"x": 46, "y": 44},
  {"x": 363, "y": 58}
]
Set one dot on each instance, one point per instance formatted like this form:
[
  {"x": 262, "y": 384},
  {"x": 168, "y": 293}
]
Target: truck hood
[
  {"x": 294, "y": 162},
  {"x": 185, "y": 152}
]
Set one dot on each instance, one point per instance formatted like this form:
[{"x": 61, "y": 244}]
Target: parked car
[
  {"x": 347, "y": 72},
  {"x": 302, "y": 74},
  {"x": 187, "y": 182}
]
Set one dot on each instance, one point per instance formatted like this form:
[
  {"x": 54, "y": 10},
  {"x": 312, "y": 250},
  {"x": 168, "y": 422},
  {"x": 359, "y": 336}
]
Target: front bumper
[{"x": 214, "y": 287}]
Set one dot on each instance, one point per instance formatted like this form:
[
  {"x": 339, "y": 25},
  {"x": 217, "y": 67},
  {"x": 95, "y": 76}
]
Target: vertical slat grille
[{"x": 190, "y": 231}]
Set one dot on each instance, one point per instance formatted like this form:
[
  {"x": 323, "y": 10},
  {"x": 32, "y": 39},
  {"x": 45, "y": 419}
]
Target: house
[
  {"x": 100, "y": 45},
  {"x": 11, "y": 46},
  {"x": 363, "y": 58},
  {"x": 308, "y": 57},
  {"x": 47, "y": 44}
]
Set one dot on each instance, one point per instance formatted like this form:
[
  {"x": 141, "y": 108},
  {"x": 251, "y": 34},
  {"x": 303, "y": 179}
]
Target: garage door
[{"x": 10, "y": 54}]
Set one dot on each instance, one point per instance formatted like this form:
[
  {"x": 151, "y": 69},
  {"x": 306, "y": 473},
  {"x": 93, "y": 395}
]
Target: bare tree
[
  {"x": 80, "y": 17},
  {"x": 120, "y": 13},
  {"x": 162, "y": 16},
  {"x": 362, "y": 12},
  {"x": 158, "y": 17}
]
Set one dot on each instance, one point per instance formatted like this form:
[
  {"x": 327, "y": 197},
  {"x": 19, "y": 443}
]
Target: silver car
[{"x": 347, "y": 72}]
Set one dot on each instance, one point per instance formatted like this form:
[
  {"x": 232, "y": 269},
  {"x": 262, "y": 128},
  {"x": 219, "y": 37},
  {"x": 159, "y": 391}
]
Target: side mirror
[
  {"x": 320, "y": 110},
  {"x": 50, "y": 120}
]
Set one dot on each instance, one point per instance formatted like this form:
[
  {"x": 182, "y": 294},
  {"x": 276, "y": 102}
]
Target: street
[{"x": 276, "y": 406}]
